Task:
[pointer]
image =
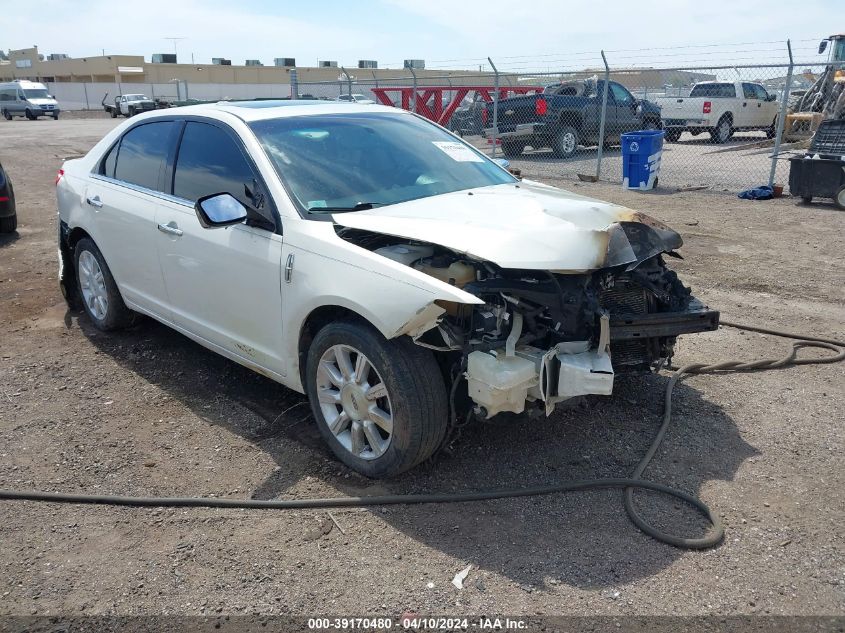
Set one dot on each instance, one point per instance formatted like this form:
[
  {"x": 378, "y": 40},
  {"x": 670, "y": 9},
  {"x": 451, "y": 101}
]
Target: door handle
[
  {"x": 171, "y": 228},
  {"x": 95, "y": 202},
  {"x": 289, "y": 268}
]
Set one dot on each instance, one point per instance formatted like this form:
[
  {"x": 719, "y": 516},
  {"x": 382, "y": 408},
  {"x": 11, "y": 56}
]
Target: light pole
[{"x": 175, "y": 40}]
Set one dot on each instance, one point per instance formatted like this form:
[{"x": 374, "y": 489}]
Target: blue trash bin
[{"x": 641, "y": 152}]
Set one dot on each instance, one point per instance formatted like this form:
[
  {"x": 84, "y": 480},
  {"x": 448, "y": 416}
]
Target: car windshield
[
  {"x": 337, "y": 162},
  {"x": 136, "y": 97},
  {"x": 36, "y": 93}
]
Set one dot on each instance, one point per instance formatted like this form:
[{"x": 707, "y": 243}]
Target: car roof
[{"x": 269, "y": 109}]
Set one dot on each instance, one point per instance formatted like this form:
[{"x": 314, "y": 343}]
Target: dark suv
[{"x": 8, "y": 214}]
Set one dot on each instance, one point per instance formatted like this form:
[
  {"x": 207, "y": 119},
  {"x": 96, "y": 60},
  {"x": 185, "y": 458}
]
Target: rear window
[{"x": 713, "y": 90}]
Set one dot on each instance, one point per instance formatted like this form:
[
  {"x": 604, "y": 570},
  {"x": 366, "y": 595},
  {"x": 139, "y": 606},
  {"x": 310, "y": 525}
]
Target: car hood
[
  {"x": 527, "y": 226},
  {"x": 42, "y": 101}
]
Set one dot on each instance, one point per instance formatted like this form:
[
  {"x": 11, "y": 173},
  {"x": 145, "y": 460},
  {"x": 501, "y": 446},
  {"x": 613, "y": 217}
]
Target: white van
[{"x": 27, "y": 98}]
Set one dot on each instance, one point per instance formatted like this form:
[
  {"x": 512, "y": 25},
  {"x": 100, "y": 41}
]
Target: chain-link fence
[{"x": 724, "y": 125}]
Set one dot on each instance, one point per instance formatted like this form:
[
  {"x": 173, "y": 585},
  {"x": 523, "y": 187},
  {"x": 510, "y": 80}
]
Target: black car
[{"x": 8, "y": 215}]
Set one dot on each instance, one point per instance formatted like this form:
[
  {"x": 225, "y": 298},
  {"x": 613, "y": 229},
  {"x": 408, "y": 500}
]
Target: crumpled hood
[{"x": 528, "y": 226}]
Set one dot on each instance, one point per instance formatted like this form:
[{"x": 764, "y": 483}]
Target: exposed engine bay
[{"x": 543, "y": 337}]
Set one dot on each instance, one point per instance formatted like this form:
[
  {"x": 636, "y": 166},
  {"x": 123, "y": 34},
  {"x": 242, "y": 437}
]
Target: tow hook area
[{"x": 504, "y": 380}]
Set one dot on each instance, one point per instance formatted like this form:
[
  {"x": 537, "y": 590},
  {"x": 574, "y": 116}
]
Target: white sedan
[{"x": 370, "y": 259}]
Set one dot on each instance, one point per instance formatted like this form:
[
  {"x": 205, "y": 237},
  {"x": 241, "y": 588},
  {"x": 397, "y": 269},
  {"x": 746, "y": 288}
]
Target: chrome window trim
[{"x": 150, "y": 192}]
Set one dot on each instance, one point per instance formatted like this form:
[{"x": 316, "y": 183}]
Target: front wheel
[
  {"x": 772, "y": 130},
  {"x": 113, "y": 112},
  {"x": 55, "y": 116},
  {"x": 29, "y": 115},
  {"x": 380, "y": 404},
  {"x": 565, "y": 142},
  {"x": 98, "y": 290}
]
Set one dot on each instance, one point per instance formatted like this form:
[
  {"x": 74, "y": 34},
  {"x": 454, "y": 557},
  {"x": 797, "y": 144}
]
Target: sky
[{"x": 518, "y": 36}]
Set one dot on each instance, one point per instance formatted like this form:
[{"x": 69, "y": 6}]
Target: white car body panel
[{"x": 530, "y": 226}]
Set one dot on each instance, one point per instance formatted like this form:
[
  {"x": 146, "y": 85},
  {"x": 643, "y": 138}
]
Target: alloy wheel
[
  {"x": 354, "y": 402},
  {"x": 93, "y": 285}
]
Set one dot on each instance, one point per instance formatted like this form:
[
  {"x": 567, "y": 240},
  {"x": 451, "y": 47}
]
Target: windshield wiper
[{"x": 358, "y": 206}]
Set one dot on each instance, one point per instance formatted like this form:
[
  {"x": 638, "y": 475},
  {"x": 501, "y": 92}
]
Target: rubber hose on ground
[{"x": 629, "y": 484}]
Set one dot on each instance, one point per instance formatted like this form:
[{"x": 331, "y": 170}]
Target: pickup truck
[
  {"x": 567, "y": 115},
  {"x": 720, "y": 108},
  {"x": 128, "y": 105}
]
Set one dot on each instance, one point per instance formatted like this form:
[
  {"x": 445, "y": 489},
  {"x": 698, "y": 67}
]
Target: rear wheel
[
  {"x": 651, "y": 124},
  {"x": 672, "y": 136},
  {"x": 723, "y": 131},
  {"x": 100, "y": 296},
  {"x": 565, "y": 142},
  {"x": 807, "y": 199},
  {"x": 7, "y": 115},
  {"x": 380, "y": 404},
  {"x": 113, "y": 113},
  {"x": 512, "y": 149},
  {"x": 9, "y": 225},
  {"x": 839, "y": 198}
]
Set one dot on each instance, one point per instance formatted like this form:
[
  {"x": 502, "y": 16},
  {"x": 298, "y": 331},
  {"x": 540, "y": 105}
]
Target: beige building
[{"x": 27, "y": 64}]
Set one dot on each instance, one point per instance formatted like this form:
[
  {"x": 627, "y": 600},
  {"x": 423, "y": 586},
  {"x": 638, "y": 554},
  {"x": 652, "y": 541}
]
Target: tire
[
  {"x": 113, "y": 112},
  {"x": 512, "y": 149},
  {"x": 839, "y": 198},
  {"x": 131, "y": 112},
  {"x": 413, "y": 405},
  {"x": 651, "y": 124},
  {"x": 97, "y": 289},
  {"x": 672, "y": 136},
  {"x": 565, "y": 142},
  {"x": 28, "y": 114},
  {"x": 55, "y": 116},
  {"x": 772, "y": 130},
  {"x": 723, "y": 131},
  {"x": 807, "y": 199},
  {"x": 9, "y": 225},
  {"x": 7, "y": 115}
]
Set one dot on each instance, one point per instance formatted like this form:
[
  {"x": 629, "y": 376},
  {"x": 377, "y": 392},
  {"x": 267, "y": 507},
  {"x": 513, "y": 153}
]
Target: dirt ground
[{"x": 148, "y": 412}]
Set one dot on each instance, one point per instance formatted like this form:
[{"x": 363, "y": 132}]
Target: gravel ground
[{"x": 148, "y": 412}]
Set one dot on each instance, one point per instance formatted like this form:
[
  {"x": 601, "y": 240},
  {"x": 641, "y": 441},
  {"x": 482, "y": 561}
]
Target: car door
[
  {"x": 767, "y": 109},
  {"x": 626, "y": 109},
  {"x": 224, "y": 284},
  {"x": 749, "y": 110},
  {"x": 123, "y": 193}
]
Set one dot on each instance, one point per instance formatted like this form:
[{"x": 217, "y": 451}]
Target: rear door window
[{"x": 142, "y": 154}]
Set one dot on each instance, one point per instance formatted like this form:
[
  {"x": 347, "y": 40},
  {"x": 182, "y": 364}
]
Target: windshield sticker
[
  {"x": 458, "y": 152},
  {"x": 316, "y": 204}
]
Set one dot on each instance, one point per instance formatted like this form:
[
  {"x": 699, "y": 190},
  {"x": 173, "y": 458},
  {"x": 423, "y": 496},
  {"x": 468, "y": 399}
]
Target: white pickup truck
[{"x": 720, "y": 108}]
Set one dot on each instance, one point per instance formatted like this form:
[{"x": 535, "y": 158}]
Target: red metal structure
[{"x": 430, "y": 98}]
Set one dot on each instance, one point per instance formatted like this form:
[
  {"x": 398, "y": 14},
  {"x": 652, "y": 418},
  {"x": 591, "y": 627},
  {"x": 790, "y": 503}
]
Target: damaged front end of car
[{"x": 542, "y": 337}]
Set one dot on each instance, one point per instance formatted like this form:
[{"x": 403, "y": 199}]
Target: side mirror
[
  {"x": 822, "y": 46},
  {"x": 219, "y": 209}
]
